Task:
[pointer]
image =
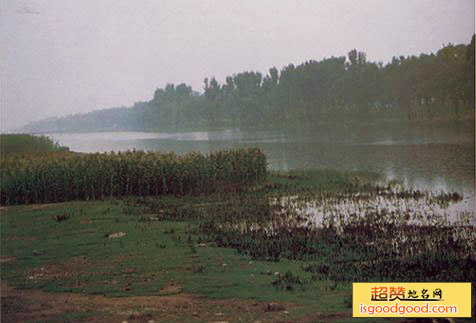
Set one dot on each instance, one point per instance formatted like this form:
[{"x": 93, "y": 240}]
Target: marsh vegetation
[
  {"x": 347, "y": 228},
  {"x": 65, "y": 177},
  {"x": 222, "y": 225},
  {"x": 27, "y": 144}
]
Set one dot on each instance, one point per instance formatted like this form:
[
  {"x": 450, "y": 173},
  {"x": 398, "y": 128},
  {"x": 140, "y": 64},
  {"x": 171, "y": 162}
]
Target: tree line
[{"x": 347, "y": 89}]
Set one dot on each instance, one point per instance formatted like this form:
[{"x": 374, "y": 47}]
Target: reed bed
[{"x": 65, "y": 176}]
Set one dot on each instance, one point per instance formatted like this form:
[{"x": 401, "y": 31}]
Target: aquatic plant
[
  {"x": 65, "y": 176},
  {"x": 382, "y": 233}
]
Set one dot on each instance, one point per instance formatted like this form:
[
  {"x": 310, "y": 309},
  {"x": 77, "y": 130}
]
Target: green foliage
[
  {"x": 24, "y": 144},
  {"x": 339, "y": 90},
  {"x": 64, "y": 177}
]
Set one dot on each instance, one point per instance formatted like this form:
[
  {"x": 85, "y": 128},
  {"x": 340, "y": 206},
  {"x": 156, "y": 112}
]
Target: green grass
[
  {"x": 76, "y": 256},
  {"x": 325, "y": 180},
  {"x": 23, "y": 143},
  {"x": 165, "y": 243}
]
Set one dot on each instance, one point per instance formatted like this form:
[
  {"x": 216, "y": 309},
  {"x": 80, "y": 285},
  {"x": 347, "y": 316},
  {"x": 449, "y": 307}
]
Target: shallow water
[
  {"x": 429, "y": 158},
  {"x": 344, "y": 209}
]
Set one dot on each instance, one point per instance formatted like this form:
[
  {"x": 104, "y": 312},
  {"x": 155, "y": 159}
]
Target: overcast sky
[{"x": 60, "y": 57}]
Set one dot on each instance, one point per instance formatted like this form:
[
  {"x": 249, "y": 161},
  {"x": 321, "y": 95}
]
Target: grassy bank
[
  {"x": 247, "y": 244},
  {"x": 27, "y": 144},
  {"x": 77, "y": 255}
]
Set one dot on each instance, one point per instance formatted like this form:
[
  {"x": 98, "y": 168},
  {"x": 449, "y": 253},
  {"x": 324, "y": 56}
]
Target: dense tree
[{"x": 428, "y": 88}]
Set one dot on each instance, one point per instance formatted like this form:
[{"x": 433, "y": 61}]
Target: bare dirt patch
[
  {"x": 25, "y": 305},
  {"x": 171, "y": 288},
  {"x": 36, "y": 207},
  {"x": 5, "y": 259},
  {"x": 331, "y": 317},
  {"x": 78, "y": 267}
]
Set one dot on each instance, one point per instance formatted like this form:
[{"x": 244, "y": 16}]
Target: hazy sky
[{"x": 61, "y": 57}]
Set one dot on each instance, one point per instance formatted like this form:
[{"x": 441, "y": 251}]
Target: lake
[{"x": 431, "y": 158}]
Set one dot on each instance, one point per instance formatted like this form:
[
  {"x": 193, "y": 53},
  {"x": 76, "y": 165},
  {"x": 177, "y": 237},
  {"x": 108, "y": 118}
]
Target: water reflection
[{"x": 431, "y": 158}]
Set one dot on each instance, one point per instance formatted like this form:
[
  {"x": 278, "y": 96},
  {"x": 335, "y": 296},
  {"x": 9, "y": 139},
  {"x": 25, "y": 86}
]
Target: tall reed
[{"x": 64, "y": 176}]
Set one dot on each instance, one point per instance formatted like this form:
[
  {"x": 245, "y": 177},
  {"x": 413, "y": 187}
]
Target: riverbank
[
  {"x": 222, "y": 256},
  {"x": 102, "y": 251}
]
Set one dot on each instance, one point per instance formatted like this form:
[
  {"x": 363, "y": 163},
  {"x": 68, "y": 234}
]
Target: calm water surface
[{"x": 431, "y": 158}]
